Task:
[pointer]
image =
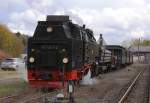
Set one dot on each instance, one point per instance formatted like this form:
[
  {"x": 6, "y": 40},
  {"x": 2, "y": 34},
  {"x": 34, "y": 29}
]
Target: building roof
[
  {"x": 3, "y": 55},
  {"x": 114, "y": 47},
  {"x": 143, "y": 49}
]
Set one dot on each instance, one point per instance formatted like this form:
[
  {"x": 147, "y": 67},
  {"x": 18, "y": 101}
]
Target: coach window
[
  {"x": 86, "y": 36},
  {"x": 67, "y": 30},
  {"x": 89, "y": 37},
  {"x": 93, "y": 39}
]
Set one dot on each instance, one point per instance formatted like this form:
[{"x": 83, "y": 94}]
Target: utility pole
[
  {"x": 139, "y": 50},
  {"x": 101, "y": 40}
]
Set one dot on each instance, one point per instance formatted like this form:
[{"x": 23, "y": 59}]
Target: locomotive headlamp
[
  {"x": 96, "y": 62},
  {"x": 32, "y": 50},
  {"x": 63, "y": 50},
  {"x": 65, "y": 60},
  {"x": 49, "y": 29},
  {"x": 31, "y": 59}
]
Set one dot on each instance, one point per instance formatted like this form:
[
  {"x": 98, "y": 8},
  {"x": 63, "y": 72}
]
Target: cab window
[{"x": 75, "y": 33}]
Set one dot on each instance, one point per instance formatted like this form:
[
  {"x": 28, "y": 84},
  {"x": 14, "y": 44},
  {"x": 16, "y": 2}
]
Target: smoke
[
  {"x": 74, "y": 17},
  {"x": 22, "y": 71},
  {"x": 87, "y": 80}
]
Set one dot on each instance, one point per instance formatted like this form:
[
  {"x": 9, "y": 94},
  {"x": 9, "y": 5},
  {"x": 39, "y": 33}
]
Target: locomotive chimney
[{"x": 56, "y": 18}]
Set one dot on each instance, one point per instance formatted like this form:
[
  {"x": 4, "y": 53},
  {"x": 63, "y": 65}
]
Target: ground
[
  {"x": 10, "y": 83},
  {"x": 109, "y": 84},
  {"x": 105, "y": 88}
]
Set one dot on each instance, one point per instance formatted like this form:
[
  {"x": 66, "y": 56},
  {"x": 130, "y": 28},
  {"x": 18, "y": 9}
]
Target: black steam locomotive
[{"x": 61, "y": 52}]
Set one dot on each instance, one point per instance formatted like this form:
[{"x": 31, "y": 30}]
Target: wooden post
[{"x": 139, "y": 50}]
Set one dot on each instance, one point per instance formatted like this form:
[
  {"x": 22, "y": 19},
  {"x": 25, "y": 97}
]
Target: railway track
[
  {"x": 8, "y": 97},
  {"x": 131, "y": 87},
  {"x": 34, "y": 98},
  {"x": 41, "y": 98},
  {"x": 49, "y": 97},
  {"x": 26, "y": 97}
]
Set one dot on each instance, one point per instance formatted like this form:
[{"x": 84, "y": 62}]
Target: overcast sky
[{"x": 117, "y": 20}]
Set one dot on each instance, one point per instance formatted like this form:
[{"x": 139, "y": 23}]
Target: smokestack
[{"x": 60, "y": 18}]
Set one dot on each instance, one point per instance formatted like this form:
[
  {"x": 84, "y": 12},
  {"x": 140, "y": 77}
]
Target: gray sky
[{"x": 117, "y": 20}]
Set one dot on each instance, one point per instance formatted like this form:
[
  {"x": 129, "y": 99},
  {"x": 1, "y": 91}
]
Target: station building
[{"x": 141, "y": 53}]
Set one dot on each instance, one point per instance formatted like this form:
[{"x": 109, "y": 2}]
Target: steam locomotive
[{"x": 61, "y": 52}]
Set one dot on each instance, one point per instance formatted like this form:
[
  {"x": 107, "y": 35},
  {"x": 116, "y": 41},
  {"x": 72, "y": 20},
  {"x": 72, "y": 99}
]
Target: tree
[
  {"x": 9, "y": 42},
  {"x": 18, "y": 34},
  {"x": 136, "y": 42},
  {"x": 23, "y": 37}
]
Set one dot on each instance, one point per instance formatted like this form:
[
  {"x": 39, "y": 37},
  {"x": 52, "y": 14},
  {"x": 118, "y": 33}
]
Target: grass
[{"x": 8, "y": 89}]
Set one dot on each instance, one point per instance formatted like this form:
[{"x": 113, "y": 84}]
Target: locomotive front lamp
[
  {"x": 32, "y": 50},
  {"x": 31, "y": 59},
  {"x": 65, "y": 60},
  {"x": 63, "y": 50},
  {"x": 49, "y": 29},
  {"x": 96, "y": 62}
]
